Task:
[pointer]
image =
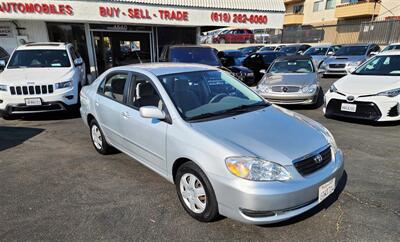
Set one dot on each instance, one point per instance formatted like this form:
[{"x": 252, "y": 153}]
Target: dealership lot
[{"x": 55, "y": 186}]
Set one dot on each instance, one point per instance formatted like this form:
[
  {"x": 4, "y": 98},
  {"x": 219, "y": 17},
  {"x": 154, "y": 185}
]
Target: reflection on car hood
[
  {"x": 366, "y": 85},
  {"x": 20, "y": 76},
  {"x": 268, "y": 133},
  {"x": 345, "y": 59},
  {"x": 295, "y": 79}
]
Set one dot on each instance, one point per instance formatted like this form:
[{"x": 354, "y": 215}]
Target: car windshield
[
  {"x": 292, "y": 66},
  {"x": 289, "y": 49},
  {"x": 392, "y": 47},
  {"x": 352, "y": 50},
  {"x": 267, "y": 48},
  {"x": 380, "y": 66},
  {"x": 316, "y": 51},
  {"x": 194, "y": 55},
  {"x": 209, "y": 95},
  {"x": 39, "y": 59},
  {"x": 235, "y": 54},
  {"x": 249, "y": 50}
]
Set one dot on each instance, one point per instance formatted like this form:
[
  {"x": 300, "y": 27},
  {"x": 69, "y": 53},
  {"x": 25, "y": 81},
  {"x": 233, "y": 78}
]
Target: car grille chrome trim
[
  {"x": 337, "y": 65},
  {"x": 314, "y": 161},
  {"x": 31, "y": 90},
  {"x": 282, "y": 88}
]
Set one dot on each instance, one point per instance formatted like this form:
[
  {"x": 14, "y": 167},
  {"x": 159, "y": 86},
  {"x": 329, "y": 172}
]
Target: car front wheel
[
  {"x": 196, "y": 193},
  {"x": 98, "y": 140}
]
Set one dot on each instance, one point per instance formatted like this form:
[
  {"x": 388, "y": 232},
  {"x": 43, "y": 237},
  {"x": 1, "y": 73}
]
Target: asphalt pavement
[{"x": 56, "y": 187}]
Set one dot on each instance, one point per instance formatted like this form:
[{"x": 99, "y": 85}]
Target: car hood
[
  {"x": 345, "y": 59},
  {"x": 269, "y": 134},
  {"x": 35, "y": 76},
  {"x": 366, "y": 85},
  {"x": 295, "y": 79}
]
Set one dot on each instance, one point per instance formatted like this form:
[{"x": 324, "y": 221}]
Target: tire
[
  {"x": 98, "y": 140},
  {"x": 185, "y": 174},
  {"x": 7, "y": 116}
]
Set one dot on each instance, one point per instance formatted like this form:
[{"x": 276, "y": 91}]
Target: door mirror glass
[
  {"x": 373, "y": 53},
  {"x": 330, "y": 53},
  {"x": 78, "y": 62},
  {"x": 263, "y": 71},
  {"x": 151, "y": 112},
  {"x": 2, "y": 64}
]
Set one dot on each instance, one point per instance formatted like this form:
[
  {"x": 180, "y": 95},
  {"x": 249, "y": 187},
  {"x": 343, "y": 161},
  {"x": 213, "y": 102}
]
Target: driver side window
[{"x": 143, "y": 93}]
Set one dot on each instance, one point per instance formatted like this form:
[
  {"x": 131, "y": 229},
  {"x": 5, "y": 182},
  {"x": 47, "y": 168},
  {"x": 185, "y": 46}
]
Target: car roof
[
  {"x": 44, "y": 46},
  {"x": 166, "y": 68},
  {"x": 394, "y": 44},
  {"x": 322, "y": 46},
  {"x": 294, "y": 57},
  {"x": 356, "y": 45},
  {"x": 389, "y": 52},
  {"x": 189, "y": 46},
  {"x": 231, "y": 51},
  {"x": 269, "y": 52}
]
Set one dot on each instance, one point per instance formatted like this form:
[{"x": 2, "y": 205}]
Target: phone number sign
[{"x": 238, "y": 18}]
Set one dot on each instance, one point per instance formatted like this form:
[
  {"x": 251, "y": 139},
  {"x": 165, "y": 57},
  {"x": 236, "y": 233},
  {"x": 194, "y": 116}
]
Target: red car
[{"x": 234, "y": 36}]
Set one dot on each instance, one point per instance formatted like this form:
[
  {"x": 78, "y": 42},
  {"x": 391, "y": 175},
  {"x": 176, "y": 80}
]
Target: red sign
[
  {"x": 238, "y": 18},
  {"x": 36, "y": 8},
  {"x": 143, "y": 13}
]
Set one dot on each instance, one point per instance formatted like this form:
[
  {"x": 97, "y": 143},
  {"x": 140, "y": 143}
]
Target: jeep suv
[{"x": 41, "y": 77}]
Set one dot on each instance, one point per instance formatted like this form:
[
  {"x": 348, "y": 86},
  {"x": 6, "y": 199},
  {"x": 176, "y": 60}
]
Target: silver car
[
  {"x": 291, "y": 80},
  {"x": 320, "y": 53},
  {"x": 226, "y": 150},
  {"x": 347, "y": 58}
]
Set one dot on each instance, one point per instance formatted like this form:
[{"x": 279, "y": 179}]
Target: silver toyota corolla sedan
[
  {"x": 227, "y": 150},
  {"x": 290, "y": 80}
]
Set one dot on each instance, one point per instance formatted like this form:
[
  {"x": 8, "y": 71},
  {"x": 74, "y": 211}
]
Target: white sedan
[{"x": 371, "y": 92}]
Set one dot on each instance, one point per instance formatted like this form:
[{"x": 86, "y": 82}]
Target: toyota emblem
[
  {"x": 318, "y": 159},
  {"x": 350, "y": 98}
]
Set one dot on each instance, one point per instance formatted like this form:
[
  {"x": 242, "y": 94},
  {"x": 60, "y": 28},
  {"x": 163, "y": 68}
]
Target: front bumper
[
  {"x": 291, "y": 98},
  {"x": 283, "y": 200},
  {"x": 372, "y": 108},
  {"x": 59, "y": 100}
]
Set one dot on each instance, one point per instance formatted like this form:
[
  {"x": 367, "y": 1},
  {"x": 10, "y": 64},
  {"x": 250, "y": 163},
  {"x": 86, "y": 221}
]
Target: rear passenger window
[{"x": 114, "y": 86}]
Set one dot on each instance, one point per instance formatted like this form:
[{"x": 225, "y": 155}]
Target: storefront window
[{"x": 70, "y": 33}]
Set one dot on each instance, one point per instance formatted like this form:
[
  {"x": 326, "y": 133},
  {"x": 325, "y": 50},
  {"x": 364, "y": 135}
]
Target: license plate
[
  {"x": 326, "y": 189},
  {"x": 348, "y": 107},
  {"x": 33, "y": 102}
]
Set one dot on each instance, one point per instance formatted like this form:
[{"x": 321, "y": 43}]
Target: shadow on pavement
[
  {"x": 366, "y": 122},
  {"x": 48, "y": 116},
  {"x": 13, "y": 136},
  {"x": 323, "y": 205}
]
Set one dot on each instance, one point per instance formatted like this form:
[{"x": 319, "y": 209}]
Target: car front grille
[
  {"x": 365, "y": 110},
  {"x": 337, "y": 65},
  {"x": 31, "y": 90},
  {"x": 285, "y": 88},
  {"x": 313, "y": 163}
]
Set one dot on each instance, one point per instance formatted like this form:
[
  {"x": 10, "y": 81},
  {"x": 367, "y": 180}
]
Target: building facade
[{"x": 118, "y": 32}]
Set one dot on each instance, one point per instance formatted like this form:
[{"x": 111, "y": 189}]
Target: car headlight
[
  {"x": 333, "y": 88},
  {"x": 3, "y": 88},
  {"x": 263, "y": 87},
  {"x": 309, "y": 88},
  {"x": 64, "y": 84},
  {"x": 256, "y": 169},
  {"x": 390, "y": 93}
]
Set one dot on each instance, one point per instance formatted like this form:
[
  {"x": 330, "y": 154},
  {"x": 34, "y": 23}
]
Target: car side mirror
[
  {"x": 78, "y": 62},
  {"x": 300, "y": 52},
  {"x": 151, "y": 112},
  {"x": 373, "y": 53},
  {"x": 2, "y": 63},
  {"x": 263, "y": 71},
  {"x": 330, "y": 53}
]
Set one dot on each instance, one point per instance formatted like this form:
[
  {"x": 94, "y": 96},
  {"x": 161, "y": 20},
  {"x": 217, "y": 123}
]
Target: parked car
[
  {"x": 321, "y": 52},
  {"x": 259, "y": 62},
  {"x": 204, "y": 55},
  {"x": 231, "y": 57},
  {"x": 394, "y": 46},
  {"x": 41, "y": 77},
  {"x": 291, "y": 80},
  {"x": 178, "y": 120},
  {"x": 4, "y": 56},
  {"x": 348, "y": 58},
  {"x": 371, "y": 92},
  {"x": 294, "y": 49},
  {"x": 271, "y": 48},
  {"x": 234, "y": 36},
  {"x": 250, "y": 49}
]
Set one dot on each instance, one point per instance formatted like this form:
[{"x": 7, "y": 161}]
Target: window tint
[
  {"x": 144, "y": 93},
  {"x": 114, "y": 86},
  {"x": 381, "y": 65}
]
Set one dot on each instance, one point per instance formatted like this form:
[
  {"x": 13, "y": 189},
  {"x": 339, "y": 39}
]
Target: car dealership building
[{"x": 120, "y": 32}]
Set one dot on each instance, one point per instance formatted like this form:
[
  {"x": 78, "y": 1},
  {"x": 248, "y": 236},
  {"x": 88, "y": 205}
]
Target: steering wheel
[{"x": 218, "y": 97}]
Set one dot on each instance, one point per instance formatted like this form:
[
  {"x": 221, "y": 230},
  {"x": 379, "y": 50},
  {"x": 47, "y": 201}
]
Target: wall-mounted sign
[
  {"x": 6, "y": 31},
  {"x": 131, "y": 13}
]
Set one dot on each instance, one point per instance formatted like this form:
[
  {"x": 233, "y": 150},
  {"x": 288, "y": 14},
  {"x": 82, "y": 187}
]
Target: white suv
[{"x": 41, "y": 77}]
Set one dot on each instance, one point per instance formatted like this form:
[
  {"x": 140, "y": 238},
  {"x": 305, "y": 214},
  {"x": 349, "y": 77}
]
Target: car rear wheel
[
  {"x": 196, "y": 193},
  {"x": 98, "y": 140}
]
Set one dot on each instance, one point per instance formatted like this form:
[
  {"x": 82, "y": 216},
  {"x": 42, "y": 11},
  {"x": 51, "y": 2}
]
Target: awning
[{"x": 240, "y": 13}]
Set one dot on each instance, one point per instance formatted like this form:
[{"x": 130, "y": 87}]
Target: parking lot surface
[{"x": 55, "y": 186}]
